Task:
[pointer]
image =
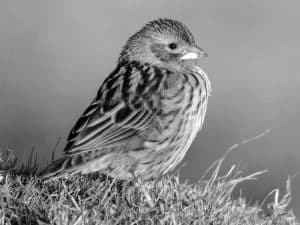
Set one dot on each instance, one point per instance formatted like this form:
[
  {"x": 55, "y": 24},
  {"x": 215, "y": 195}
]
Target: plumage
[{"x": 146, "y": 113}]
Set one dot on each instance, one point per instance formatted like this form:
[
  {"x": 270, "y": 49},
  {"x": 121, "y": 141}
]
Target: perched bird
[{"x": 146, "y": 113}]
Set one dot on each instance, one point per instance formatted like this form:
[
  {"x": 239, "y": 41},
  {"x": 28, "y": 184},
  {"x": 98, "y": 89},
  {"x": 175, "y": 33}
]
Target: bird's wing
[{"x": 124, "y": 108}]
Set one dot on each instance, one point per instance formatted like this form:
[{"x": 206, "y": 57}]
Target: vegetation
[{"x": 26, "y": 199}]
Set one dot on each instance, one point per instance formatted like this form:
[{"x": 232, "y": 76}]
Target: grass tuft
[{"x": 25, "y": 199}]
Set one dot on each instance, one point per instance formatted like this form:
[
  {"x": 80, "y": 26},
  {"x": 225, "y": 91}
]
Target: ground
[{"x": 26, "y": 199}]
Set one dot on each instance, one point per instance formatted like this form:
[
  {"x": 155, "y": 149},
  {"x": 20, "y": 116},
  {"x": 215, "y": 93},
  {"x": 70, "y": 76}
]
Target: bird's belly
[{"x": 175, "y": 141}]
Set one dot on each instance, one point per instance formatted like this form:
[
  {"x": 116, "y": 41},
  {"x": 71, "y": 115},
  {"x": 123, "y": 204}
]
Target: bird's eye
[{"x": 173, "y": 46}]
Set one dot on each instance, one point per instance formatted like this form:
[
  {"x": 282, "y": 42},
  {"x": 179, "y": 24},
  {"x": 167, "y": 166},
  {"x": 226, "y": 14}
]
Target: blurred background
[{"x": 55, "y": 54}]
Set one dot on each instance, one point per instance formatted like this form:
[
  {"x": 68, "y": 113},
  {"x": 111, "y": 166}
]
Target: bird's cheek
[
  {"x": 170, "y": 57},
  {"x": 175, "y": 56},
  {"x": 160, "y": 53}
]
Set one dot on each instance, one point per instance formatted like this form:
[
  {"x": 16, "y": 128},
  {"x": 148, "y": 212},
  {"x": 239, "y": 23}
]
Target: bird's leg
[{"x": 140, "y": 184}]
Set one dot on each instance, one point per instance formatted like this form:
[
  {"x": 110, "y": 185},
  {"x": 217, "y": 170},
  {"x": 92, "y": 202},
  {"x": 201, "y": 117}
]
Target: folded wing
[{"x": 123, "y": 110}]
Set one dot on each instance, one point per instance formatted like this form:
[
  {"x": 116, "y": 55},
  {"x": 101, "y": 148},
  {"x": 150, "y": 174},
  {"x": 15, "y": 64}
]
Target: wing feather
[{"x": 119, "y": 113}]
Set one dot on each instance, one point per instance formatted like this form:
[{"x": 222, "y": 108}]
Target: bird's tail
[
  {"x": 58, "y": 168},
  {"x": 78, "y": 163}
]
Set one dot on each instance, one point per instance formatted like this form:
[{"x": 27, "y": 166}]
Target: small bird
[{"x": 146, "y": 113}]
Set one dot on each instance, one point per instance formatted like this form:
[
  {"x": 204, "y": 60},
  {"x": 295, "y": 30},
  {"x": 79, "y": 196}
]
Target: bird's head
[{"x": 163, "y": 42}]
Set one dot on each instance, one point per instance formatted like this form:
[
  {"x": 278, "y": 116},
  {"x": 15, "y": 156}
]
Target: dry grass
[{"x": 25, "y": 199}]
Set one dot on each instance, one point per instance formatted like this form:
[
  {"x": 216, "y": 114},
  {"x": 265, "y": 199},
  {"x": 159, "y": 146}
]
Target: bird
[{"x": 146, "y": 113}]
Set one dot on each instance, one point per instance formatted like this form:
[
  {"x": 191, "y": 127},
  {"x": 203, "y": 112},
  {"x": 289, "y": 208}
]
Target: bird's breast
[
  {"x": 183, "y": 107},
  {"x": 181, "y": 116}
]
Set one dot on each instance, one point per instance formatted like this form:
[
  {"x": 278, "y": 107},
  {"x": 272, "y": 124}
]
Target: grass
[{"x": 25, "y": 199}]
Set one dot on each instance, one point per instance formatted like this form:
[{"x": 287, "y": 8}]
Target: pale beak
[{"x": 193, "y": 53}]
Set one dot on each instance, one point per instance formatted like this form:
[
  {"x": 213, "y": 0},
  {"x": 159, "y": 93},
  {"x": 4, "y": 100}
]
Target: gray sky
[{"x": 55, "y": 54}]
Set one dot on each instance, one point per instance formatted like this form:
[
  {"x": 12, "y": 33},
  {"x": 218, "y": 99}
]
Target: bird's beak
[{"x": 193, "y": 53}]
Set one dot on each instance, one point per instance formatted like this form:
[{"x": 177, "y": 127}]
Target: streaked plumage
[{"x": 147, "y": 111}]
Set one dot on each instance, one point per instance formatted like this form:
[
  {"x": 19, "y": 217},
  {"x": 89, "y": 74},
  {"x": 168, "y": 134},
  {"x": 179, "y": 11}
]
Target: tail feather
[
  {"x": 57, "y": 168},
  {"x": 78, "y": 163}
]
